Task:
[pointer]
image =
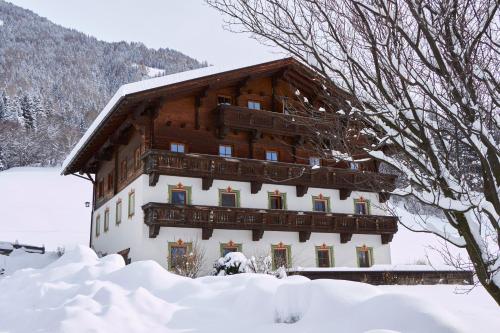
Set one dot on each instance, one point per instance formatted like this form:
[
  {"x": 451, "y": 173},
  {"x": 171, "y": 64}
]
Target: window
[
  {"x": 271, "y": 155},
  {"x": 321, "y": 203},
  {"x": 123, "y": 170},
  {"x": 178, "y": 147},
  {"x": 97, "y": 225},
  {"x": 179, "y": 194},
  {"x": 137, "y": 158},
  {"x": 254, "y": 105},
  {"x": 225, "y": 150},
  {"x": 106, "y": 220},
  {"x": 365, "y": 256},
  {"x": 361, "y": 206},
  {"x": 314, "y": 161},
  {"x": 110, "y": 181},
  {"x": 277, "y": 200},
  {"x": 324, "y": 256},
  {"x": 229, "y": 247},
  {"x": 354, "y": 165},
  {"x": 131, "y": 203},
  {"x": 178, "y": 254},
  {"x": 221, "y": 99},
  {"x": 281, "y": 256},
  {"x": 118, "y": 213},
  {"x": 100, "y": 189},
  {"x": 229, "y": 198}
]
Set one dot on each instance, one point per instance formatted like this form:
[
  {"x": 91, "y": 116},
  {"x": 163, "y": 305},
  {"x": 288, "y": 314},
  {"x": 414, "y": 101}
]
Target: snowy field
[
  {"x": 40, "y": 207},
  {"x": 81, "y": 293}
]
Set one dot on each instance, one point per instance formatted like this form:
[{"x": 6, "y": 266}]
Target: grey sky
[{"x": 189, "y": 26}]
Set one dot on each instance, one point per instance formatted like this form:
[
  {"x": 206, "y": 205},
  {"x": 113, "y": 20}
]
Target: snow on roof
[{"x": 134, "y": 87}]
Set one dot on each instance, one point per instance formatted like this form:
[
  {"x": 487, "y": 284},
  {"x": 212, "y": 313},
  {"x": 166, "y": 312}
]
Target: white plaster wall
[{"x": 134, "y": 234}]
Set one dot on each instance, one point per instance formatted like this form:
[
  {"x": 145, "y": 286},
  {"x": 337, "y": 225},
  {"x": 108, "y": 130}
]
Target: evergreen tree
[{"x": 27, "y": 113}]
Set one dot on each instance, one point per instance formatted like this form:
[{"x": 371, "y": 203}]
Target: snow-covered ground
[
  {"x": 40, "y": 207},
  {"x": 81, "y": 293}
]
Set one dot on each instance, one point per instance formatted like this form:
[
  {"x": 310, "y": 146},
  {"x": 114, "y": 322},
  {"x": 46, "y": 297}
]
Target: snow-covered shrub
[
  {"x": 60, "y": 251},
  {"x": 232, "y": 263},
  {"x": 260, "y": 264}
]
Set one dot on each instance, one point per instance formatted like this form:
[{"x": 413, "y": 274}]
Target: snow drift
[{"x": 80, "y": 292}]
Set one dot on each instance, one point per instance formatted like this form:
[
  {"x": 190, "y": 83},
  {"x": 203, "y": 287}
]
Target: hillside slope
[{"x": 54, "y": 81}]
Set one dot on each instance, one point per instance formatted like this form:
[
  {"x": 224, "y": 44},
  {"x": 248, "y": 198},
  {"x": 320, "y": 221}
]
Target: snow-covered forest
[{"x": 54, "y": 81}]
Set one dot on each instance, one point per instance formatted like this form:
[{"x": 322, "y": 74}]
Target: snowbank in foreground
[{"x": 80, "y": 292}]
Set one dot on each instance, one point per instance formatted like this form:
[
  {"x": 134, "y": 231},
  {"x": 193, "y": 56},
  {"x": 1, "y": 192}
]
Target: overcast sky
[{"x": 189, "y": 26}]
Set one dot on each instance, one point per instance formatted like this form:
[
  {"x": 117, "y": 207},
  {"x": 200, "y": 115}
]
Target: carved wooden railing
[
  {"x": 158, "y": 215},
  {"x": 237, "y": 117},
  {"x": 209, "y": 167}
]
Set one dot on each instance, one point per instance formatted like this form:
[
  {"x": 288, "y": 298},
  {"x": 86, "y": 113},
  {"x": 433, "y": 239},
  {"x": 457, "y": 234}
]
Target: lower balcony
[{"x": 208, "y": 218}]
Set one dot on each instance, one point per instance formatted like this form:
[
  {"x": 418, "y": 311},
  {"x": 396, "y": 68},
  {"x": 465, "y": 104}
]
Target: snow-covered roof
[{"x": 135, "y": 87}]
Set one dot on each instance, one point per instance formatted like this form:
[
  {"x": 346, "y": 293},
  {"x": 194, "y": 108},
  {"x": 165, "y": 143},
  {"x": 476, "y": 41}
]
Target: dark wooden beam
[
  {"x": 345, "y": 237},
  {"x": 304, "y": 236},
  {"x": 386, "y": 238},
  {"x": 301, "y": 190},
  {"x": 206, "y": 183},
  {"x": 206, "y": 233},
  {"x": 383, "y": 196},
  {"x": 153, "y": 178},
  {"x": 257, "y": 234},
  {"x": 154, "y": 230},
  {"x": 255, "y": 187},
  {"x": 344, "y": 193},
  {"x": 197, "y": 104}
]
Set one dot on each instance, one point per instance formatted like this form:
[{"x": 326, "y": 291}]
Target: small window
[
  {"x": 324, "y": 256},
  {"x": 123, "y": 170},
  {"x": 321, "y": 204},
  {"x": 106, "y": 220},
  {"x": 281, "y": 256},
  {"x": 131, "y": 204},
  {"x": 110, "y": 181},
  {"x": 97, "y": 225},
  {"x": 277, "y": 200},
  {"x": 137, "y": 158},
  {"x": 118, "y": 217},
  {"x": 254, "y": 105},
  {"x": 178, "y": 147},
  {"x": 229, "y": 247},
  {"x": 314, "y": 161},
  {"x": 271, "y": 155},
  {"x": 100, "y": 189},
  {"x": 365, "y": 256},
  {"x": 354, "y": 165},
  {"x": 178, "y": 197},
  {"x": 225, "y": 150},
  {"x": 226, "y": 100},
  {"x": 228, "y": 199},
  {"x": 361, "y": 207}
]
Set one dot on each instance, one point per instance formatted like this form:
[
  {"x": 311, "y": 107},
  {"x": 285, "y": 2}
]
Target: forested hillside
[{"x": 54, "y": 81}]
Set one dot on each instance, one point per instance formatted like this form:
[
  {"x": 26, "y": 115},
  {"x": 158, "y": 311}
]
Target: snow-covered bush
[
  {"x": 260, "y": 264},
  {"x": 232, "y": 263}
]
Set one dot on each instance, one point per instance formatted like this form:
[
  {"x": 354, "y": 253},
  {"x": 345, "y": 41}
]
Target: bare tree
[
  {"x": 189, "y": 263},
  {"x": 424, "y": 75}
]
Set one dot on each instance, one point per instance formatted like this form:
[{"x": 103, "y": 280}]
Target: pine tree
[{"x": 27, "y": 113}]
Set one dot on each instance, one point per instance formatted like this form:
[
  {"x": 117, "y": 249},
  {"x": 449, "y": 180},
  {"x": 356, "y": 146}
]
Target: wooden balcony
[
  {"x": 231, "y": 117},
  {"x": 208, "y": 218},
  {"x": 257, "y": 172}
]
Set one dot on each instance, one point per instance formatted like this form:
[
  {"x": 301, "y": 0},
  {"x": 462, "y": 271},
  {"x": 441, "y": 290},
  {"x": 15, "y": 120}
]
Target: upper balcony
[
  {"x": 258, "y": 172},
  {"x": 259, "y": 121}
]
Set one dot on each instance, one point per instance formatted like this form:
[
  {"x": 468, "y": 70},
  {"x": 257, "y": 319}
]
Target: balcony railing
[
  {"x": 209, "y": 167},
  {"x": 236, "y": 117},
  {"x": 207, "y": 218}
]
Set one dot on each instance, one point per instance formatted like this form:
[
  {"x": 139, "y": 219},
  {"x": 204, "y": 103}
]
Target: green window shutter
[
  {"x": 283, "y": 197},
  {"x": 288, "y": 255},
  {"x": 330, "y": 255}
]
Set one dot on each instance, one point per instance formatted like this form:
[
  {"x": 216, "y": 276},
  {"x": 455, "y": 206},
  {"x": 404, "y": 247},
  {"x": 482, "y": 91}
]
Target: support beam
[
  {"x": 301, "y": 190},
  {"x": 255, "y": 187},
  {"x": 386, "y": 238},
  {"x": 304, "y": 236},
  {"x": 257, "y": 234},
  {"x": 197, "y": 104},
  {"x": 206, "y": 183},
  {"x": 206, "y": 233},
  {"x": 153, "y": 178},
  {"x": 154, "y": 230},
  {"x": 344, "y": 193},
  {"x": 345, "y": 237},
  {"x": 383, "y": 196}
]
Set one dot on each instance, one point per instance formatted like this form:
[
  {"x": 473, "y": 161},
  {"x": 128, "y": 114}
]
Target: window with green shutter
[
  {"x": 179, "y": 194},
  {"x": 365, "y": 256},
  {"x": 324, "y": 256},
  {"x": 281, "y": 255}
]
